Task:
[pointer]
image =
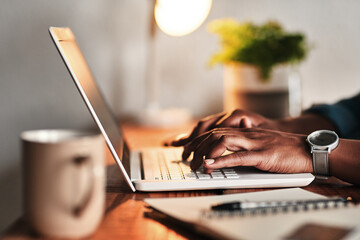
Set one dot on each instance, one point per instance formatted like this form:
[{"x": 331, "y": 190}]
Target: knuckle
[
  {"x": 228, "y": 163},
  {"x": 214, "y": 136},
  {"x": 199, "y": 125},
  {"x": 244, "y": 158},
  {"x": 201, "y": 122},
  {"x": 239, "y": 157},
  {"x": 252, "y": 135},
  {"x": 223, "y": 139},
  {"x": 237, "y": 112}
]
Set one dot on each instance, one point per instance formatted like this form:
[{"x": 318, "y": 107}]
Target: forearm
[
  {"x": 304, "y": 124},
  {"x": 345, "y": 161}
]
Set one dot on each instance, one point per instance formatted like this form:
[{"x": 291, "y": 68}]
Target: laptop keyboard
[{"x": 166, "y": 165}]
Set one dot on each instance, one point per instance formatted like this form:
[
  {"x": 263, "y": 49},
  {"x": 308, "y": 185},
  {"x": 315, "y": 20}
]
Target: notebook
[
  {"x": 340, "y": 222},
  {"x": 155, "y": 169}
]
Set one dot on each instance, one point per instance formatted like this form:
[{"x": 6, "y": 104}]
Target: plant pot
[{"x": 277, "y": 97}]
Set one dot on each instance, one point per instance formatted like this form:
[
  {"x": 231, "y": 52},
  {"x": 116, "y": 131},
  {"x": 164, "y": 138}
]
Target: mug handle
[{"x": 81, "y": 161}]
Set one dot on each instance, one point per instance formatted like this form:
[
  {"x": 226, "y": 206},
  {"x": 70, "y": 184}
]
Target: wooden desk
[{"x": 126, "y": 215}]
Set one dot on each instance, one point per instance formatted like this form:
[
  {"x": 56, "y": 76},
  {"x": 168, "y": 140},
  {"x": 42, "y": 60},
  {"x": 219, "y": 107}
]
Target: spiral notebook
[{"x": 341, "y": 222}]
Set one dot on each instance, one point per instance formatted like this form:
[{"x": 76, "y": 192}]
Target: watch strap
[{"x": 321, "y": 163}]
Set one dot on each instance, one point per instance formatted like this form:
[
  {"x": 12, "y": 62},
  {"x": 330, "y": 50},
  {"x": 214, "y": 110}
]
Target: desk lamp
[{"x": 176, "y": 18}]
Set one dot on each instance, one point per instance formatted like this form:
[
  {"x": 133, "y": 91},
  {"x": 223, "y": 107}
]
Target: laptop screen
[{"x": 84, "y": 81}]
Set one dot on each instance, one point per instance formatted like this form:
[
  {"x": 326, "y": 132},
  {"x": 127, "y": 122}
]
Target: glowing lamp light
[
  {"x": 181, "y": 17},
  {"x": 175, "y": 18}
]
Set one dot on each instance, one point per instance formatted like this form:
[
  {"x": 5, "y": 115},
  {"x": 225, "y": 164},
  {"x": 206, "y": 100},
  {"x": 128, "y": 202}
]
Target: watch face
[{"x": 322, "y": 138}]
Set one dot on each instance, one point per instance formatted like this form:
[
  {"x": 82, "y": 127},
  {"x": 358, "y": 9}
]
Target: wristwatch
[{"x": 322, "y": 142}]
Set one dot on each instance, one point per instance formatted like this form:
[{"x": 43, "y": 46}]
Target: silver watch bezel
[{"x": 328, "y": 147}]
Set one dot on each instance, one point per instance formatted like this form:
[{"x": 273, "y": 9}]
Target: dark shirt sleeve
[{"x": 345, "y": 115}]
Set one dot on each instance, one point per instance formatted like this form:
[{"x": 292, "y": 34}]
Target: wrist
[
  {"x": 322, "y": 143},
  {"x": 304, "y": 124},
  {"x": 343, "y": 161}
]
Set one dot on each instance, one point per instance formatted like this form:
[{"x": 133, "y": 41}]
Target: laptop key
[
  {"x": 176, "y": 177},
  {"x": 232, "y": 176},
  {"x": 217, "y": 175},
  {"x": 203, "y": 176},
  {"x": 175, "y": 174},
  {"x": 190, "y": 175},
  {"x": 165, "y": 177}
]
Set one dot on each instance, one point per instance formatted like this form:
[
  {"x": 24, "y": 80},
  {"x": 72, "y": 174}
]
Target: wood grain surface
[{"x": 128, "y": 217}]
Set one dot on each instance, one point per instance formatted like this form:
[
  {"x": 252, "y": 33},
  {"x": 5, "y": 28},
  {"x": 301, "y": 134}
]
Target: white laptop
[{"x": 156, "y": 169}]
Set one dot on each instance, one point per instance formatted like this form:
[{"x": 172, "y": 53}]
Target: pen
[{"x": 242, "y": 206}]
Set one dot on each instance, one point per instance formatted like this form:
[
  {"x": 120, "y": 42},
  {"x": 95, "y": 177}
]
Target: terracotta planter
[{"x": 279, "y": 96}]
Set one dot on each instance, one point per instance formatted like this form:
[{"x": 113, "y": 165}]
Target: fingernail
[{"x": 209, "y": 161}]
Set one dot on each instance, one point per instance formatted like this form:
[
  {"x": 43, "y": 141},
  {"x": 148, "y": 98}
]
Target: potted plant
[{"x": 259, "y": 66}]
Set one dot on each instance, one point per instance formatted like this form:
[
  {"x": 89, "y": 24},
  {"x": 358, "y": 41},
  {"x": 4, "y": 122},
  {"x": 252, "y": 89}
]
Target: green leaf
[{"x": 261, "y": 45}]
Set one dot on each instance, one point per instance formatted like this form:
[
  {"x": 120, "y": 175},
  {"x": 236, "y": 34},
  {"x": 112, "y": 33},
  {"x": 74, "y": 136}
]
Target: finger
[
  {"x": 202, "y": 127},
  {"x": 207, "y": 170},
  {"x": 216, "y": 144},
  {"x": 246, "y": 123},
  {"x": 240, "y": 158},
  {"x": 234, "y": 141},
  {"x": 233, "y": 120},
  {"x": 239, "y": 122},
  {"x": 179, "y": 142},
  {"x": 191, "y": 146},
  {"x": 175, "y": 140},
  {"x": 201, "y": 151},
  {"x": 186, "y": 152}
]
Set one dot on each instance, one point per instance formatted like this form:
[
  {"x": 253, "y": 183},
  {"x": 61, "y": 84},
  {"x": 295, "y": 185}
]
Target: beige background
[{"x": 37, "y": 92}]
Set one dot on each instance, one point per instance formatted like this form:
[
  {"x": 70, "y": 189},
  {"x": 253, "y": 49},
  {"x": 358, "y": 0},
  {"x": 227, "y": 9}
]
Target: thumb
[{"x": 240, "y": 158}]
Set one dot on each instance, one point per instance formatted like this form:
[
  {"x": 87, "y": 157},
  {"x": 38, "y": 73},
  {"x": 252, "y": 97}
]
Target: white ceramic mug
[{"x": 64, "y": 181}]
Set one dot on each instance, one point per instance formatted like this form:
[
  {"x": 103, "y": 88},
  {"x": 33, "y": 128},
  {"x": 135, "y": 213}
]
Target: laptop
[{"x": 156, "y": 169}]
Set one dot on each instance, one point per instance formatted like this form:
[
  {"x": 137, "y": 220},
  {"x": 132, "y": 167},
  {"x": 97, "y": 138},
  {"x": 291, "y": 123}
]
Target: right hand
[
  {"x": 236, "y": 119},
  {"x": 267, "y": 150}
]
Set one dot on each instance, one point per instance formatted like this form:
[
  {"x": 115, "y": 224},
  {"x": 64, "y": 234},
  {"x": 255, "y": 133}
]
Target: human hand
[
  {"x": 236, "y": 119},
  {"x": 264, "y": 149}
]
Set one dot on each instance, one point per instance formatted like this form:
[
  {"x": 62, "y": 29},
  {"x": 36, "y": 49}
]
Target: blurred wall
[{"x": 37, "y": 92}]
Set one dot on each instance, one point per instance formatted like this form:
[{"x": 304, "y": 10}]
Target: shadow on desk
[
  {"x": 21, "y": 230},
  {"x": 334, "y": 187},
  {"x": 115, "y": 181}
]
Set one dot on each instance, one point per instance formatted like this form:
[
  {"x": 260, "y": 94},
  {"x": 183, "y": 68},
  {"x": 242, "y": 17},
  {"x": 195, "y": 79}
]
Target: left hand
[
  {"x": 235, "y": 119},
  {"x": 267, "y": 150}
]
